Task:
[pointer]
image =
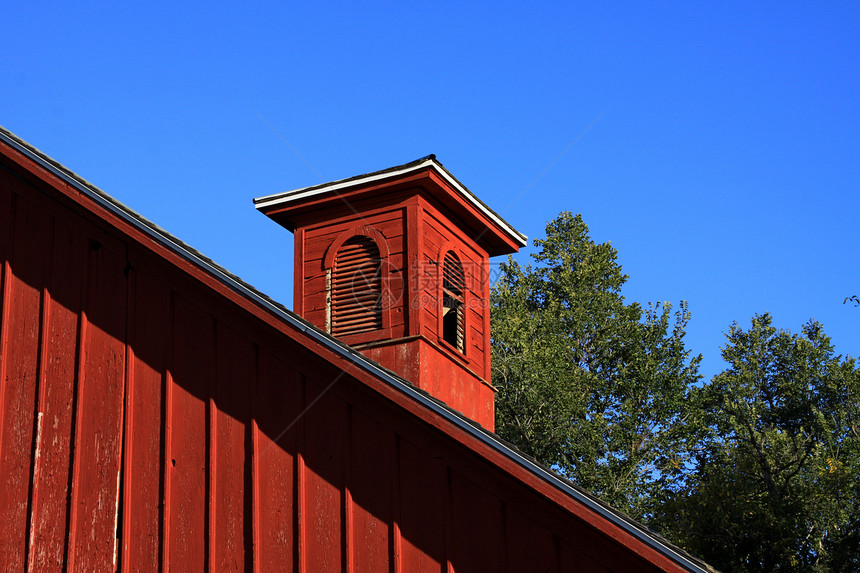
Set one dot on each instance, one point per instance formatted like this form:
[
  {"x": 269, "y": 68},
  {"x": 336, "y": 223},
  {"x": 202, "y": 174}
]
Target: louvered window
[
  {"x": 355, "y": 289},
  {"x": 453, "y": 302}
]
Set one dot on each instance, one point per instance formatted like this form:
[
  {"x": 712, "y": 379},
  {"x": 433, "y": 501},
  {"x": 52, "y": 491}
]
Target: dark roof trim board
[
  {"x": 238, "y": 286},
  {"x": 429, "y": 162}
]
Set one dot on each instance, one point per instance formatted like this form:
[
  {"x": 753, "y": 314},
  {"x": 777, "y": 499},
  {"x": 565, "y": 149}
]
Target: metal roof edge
[
  {"x": 237, "y": 285},
  {"x": 429, "y": 161}
]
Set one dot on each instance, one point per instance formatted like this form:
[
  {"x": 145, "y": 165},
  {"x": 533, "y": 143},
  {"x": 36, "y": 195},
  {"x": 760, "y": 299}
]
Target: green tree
[
  {"x": 588, "y": 384},
  {"x": 775, "y": 485}
]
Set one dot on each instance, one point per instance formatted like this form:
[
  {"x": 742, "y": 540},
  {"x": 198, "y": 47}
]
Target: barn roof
[{"x": 548, "y": 482}]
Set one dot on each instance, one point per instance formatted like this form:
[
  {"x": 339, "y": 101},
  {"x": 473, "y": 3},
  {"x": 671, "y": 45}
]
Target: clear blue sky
[{"x": 721, "y": 159}]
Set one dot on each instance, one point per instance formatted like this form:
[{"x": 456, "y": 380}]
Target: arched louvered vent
[
  {"x": 453, "y": 302},
  {"x": 356, "y": 288}
]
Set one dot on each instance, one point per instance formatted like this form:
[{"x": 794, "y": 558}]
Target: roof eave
[{"x": 268, "y": 203}]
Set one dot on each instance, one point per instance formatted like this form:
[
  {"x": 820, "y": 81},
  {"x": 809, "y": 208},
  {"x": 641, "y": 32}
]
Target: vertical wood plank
[
  {"x": 396, "y": 545},
  {"x": 192, "y": 370},
  {"x": 372, "y": 477},
  {"x": 235, "y": 358},
  {"x": 348, "y": 502},
  {"x": 144, "y": 421},
  {"x": 277, "y": 406},
  {"x": 213, "y": 445},
  {"x": 255, "y": 548},
  {"x": 299, "y": 491},
  {"x": 167, "y": 461},
  {"x": 477, "y": 534},
  {"x": 449, "y": 522},
  {"x": 6, "y": 228},
  {"x": 56, "y": 390},
  {"x": 98, "y": 423},
  {"x": 423, "y": 496},
  {"x": 36, "y": 463},
  {"x": 23, "y": 283},
  {"x": 412, "y": 284},
  {"x": 573, "y": 560},
  {"x": 298, "y": 272},
  {"x": 529, "y": 545},
  {"x": 75, "y": 469},
  {"x": 324, "y": 452}
]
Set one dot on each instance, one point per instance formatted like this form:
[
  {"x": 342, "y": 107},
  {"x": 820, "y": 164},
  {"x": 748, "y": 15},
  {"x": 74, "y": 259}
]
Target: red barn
[{"x": 157, "y": 413}]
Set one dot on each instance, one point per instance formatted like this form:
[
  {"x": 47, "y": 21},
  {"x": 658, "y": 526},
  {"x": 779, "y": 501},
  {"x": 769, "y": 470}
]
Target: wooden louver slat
[
  {"x": 453, "y": 302},
  {"x": 356, "y": 288}
]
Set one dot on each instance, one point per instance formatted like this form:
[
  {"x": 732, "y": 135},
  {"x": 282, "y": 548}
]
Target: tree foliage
[
  {"x": 588, "y": 384},
  {"x": 756, "y": 470},
  {"x": 775, "y": 485}
]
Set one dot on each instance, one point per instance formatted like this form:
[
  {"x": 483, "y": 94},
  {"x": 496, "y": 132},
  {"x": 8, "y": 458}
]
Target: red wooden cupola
[{"x": 396, "y": 264}]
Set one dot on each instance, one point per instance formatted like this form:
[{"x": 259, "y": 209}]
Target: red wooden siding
[
  {"x": 150, "y": 340},
  {"x": 154, "y": 419},
  {"x": 21, "y": 338},
  {"x": 438, "y": 236},
  {"x": 278, "y": 468},
  {"x": 56, "y": 398}
]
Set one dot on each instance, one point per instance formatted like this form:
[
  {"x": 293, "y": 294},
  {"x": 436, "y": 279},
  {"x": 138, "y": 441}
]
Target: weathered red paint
[
  {"x": 153, "y": 418},
  {"x": 415, "y": 219}
]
